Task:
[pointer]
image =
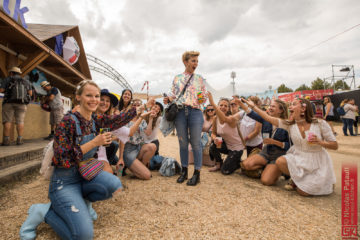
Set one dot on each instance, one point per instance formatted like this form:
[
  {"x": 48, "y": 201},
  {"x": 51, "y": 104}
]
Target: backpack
[
  {"x": 341, "y": 111},
  {"x": 17, "y": 91}
]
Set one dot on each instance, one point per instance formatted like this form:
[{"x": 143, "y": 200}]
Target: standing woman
[
  {"x": 189, "y": 119},
  {"x": 68, "y": 214},
  {"x": 307, "y": 162},
  {"x": 349, "y": 117},
  {"x": 329, "y": 113}
]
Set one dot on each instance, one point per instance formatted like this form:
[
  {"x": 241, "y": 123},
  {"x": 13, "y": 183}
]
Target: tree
[
  {"x": 341, "y": 84},
  {"x": 302, "y": 87},
  {"x": 318, "y": 84},
  {"x": 283, "y": 89}
]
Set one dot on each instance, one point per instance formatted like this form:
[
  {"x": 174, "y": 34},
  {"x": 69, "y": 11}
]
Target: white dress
[{"x": 310, "y": 166}]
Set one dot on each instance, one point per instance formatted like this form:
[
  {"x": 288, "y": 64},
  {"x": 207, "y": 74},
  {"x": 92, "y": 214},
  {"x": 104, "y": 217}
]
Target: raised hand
[
  {"x": 103, "y": 139},
  {"x": 211, "y": 99}
]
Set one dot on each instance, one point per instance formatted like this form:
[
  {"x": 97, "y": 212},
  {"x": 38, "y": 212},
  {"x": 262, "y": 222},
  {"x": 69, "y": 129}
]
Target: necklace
[{"x": 299, "y": 121}]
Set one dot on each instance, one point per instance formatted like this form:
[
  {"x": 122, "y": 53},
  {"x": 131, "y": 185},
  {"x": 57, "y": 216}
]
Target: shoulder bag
[{"x": 172, "y": 109}]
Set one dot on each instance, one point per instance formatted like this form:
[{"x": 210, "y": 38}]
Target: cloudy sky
[{"x": 261, "y": 40}]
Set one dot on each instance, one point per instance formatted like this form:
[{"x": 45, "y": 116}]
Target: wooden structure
[{"x": 33, "y": 48}]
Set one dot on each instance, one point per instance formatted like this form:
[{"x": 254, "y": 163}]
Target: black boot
[
  {"x": 183, "y": 175},
  {"x": 195, "y": 179}
]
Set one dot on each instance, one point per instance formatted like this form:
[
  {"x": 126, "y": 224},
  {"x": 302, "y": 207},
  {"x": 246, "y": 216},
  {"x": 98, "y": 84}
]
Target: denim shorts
[
  {"x": 130, "y": 153},
  {"x": 271, "y": 158}
]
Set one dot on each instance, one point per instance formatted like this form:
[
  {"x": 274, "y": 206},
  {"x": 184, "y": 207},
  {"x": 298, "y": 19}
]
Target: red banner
[{"x": 349, "y": 218}]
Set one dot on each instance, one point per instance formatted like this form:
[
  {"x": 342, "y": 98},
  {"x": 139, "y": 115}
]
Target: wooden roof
[{"x": 45, "y": 31}]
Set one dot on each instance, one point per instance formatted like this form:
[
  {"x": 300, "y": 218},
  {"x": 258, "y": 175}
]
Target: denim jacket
[{"x": 280, "y": 134}]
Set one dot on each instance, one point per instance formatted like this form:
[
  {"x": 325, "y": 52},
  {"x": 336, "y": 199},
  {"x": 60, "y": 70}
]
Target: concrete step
[
  {"x": 20, "y": 158},
  {"x": 16, "y": 172}
]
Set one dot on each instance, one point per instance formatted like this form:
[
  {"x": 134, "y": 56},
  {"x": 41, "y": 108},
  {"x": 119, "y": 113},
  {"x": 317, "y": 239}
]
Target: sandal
[{"x": 290, "y": 186}]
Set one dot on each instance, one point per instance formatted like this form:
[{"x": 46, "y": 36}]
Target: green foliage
[
  {"x": 340, "y": 84},
  {"x": 283, "y": 89},
  {"x": 318, "y": 84},
  {"x": 302, "y": 87}
]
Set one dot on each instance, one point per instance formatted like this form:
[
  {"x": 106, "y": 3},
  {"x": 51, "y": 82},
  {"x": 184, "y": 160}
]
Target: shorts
[
  {"x": 56, "y": 116},
  {"x": 131, "y": 151},
  {"x": 330, "y": 118},
  {"x": 11, "y": 109},
  {"x": 271, "y": 158}
]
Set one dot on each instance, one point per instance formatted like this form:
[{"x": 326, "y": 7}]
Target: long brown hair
[
  {"x": 228, "y": 113},
  {"x": 283, "y": 107},
  {"x": 205, "y": 112},
  {"x": 309, "y": 114}
]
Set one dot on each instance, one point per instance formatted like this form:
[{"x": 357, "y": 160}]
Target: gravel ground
[{"x": 220, "y": 207}]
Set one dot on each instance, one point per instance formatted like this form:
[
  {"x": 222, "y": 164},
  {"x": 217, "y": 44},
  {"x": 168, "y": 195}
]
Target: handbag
[
  {"x": 172, "y": 109},
  {"x": 90, "y": 168}
]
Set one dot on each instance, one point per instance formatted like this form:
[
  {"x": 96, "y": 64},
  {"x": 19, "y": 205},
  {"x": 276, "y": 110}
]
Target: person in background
[
  {"x": 53, "y": 99},
  {"x": 107, "y": 101},
  {"x": 153, "y": 123},
  {"x": 329, "y": 113},
  {"x": 125, "y": 100},
  {"x": 136, "y": 154},
  {"x": 276, "y": 141},
  {"x": 251, "y": 130},
  {"x": 349, "y": 117},
  {"x": 209, "y": 115},
  {"x": 14, "y": 104},
  {"x": 189, "y": 119},
  {"x": 225, "y": 138},
  {"x": 307, "y": 162}
]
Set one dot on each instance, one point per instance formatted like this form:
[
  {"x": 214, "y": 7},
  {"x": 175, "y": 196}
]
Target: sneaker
[
  {"x": 6, "y": 141},
  {"x": 19, "y": 141}
]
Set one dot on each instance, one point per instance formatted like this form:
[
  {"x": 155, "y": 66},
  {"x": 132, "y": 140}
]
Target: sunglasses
[{"x": 210, "y": 110}]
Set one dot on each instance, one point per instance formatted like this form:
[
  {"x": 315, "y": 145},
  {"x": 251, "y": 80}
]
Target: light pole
[{"x": 233, "y": 76}]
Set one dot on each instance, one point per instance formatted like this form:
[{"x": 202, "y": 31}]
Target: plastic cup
[
  {"x": 309, "y": 136},
  {"x": 200, "y": 96},
  {"x": 105, "y": 130},
  {"x": 266, "y": 135},
  {"x": 219, "y": 142}
]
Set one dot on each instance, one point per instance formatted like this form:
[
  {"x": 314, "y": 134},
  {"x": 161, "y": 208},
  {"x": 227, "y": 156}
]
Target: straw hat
[
  {"x": 44, "y": 84},
  {"x": 15, "y": 70}
]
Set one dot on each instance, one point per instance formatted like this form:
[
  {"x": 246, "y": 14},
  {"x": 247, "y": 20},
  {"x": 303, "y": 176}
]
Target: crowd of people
[{"x": 103, "y": 138}]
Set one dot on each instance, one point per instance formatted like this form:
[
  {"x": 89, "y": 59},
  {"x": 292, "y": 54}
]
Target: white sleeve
[
  {"x": 283, "y": 125},
  {"x": 326, "y": 131},
  {"x": 122, "y": 134}
]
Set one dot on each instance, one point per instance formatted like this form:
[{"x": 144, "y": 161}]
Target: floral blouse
[
  {"x": 197, "y": 84},
  {"x": 139, "y": 135},
  {"x": 66, "y": 153}
]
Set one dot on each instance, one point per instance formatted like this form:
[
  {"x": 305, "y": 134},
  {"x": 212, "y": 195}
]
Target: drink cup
[
  {"x": 105, "y": 130},
  {"x": 200, "y": 97},
  {"x": 219, "y": 142},
  {"x": 309, "y": 136},
  {"x": 266, "y": 135}
]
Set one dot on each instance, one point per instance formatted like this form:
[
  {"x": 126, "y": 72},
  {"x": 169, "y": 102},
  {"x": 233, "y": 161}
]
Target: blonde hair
[
  {"x": 189, "y": 54},
  {"x": 255, "y": 100},
  {"x": 80, "y": 87}
]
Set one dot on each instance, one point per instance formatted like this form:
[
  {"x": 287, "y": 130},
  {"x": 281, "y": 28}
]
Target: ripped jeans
[{"x": 69, "y": 215}]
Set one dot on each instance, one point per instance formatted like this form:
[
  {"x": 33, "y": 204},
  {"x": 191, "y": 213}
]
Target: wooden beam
[
  {"x": 3, "y": 63},
  {"x": 32, "y": 61},
  {"x": 54, "y": 75},
  {"x": 39, "y": 43}
]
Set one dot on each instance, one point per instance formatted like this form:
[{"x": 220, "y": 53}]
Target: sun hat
[
  {"x": 161, "y": 106},
  {"x": 113, "y": 99},
  {"x": 44, "y": 84},
  {"x": 15, "y": 70}
]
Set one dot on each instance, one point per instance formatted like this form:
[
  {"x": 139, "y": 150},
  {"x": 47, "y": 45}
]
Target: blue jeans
[
  {"x": 348, "y": 124},
  {"x": 188, "y": 123},
  {"x": 68, "y": 214}
]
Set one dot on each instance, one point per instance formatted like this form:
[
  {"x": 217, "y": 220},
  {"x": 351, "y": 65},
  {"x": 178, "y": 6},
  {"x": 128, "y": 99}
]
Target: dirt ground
[{"x": 220, "y": 207}]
